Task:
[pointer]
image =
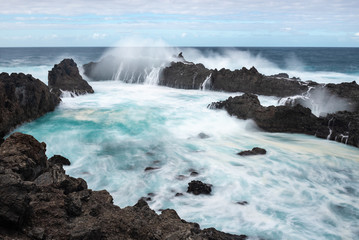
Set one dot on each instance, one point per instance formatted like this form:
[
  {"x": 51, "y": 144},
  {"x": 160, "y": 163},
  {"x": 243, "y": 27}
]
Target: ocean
[{"x": 303, "y": 188}]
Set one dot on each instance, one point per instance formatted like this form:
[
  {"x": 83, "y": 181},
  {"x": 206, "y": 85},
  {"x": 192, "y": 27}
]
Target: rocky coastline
[
  {"x": 39, "y": 201},
  {"x": 23, "y": 98}
]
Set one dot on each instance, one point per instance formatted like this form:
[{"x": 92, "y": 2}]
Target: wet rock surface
[
  {"x": 39, "y": 201},
  {"x": 23, "y": 98},
  {"x": 254, "y": 151},
  {"x": 341, "y": 126},
  {"x": 198, "y": 187},
  {"x": 65, "y": 76}
]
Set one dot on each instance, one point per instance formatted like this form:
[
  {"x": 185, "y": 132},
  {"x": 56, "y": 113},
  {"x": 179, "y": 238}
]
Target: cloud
[
  {"x": 99, "y": 36},
  {"x": 183, "y": 35},
  {"x": 356, "y": 34}
]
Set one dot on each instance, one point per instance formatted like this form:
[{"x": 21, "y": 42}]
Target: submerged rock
[
  {"x": 254, "y": 151},
  {"x": 198, "y": 187},
  {"x": 23, "y": 98},
  {"x": 39, "y": 201},
  {"x": 65, "y": 76}
]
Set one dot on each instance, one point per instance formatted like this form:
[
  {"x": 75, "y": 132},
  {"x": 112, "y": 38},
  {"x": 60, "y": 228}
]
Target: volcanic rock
[
  {"x": 187, "y": 75},
  {"x": 65, "y": 76},
  {"x": 254, "y": 151},
  {"x": 198, "y": 187},
  {"x": 184, "y": 75},
  {"x": 22, "y": 99},
  {"x": 340, "y": 126},
  {"x": 39, "y": 201},
  {"x": 251, "y": 81}
]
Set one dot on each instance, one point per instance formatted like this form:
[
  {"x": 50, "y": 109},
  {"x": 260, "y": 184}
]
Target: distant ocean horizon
[{"x": 321, "y": 64}]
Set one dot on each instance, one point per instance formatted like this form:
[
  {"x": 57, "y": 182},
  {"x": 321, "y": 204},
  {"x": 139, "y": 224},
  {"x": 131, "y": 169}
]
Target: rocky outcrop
[
  {"x": 341, "y": 126},
  {"x": 272, "y": 119},
  {"x": 184, "y": 75},
  {"x": 254, "y": 151},
  {"x": 23, "y": 98},
  {"x": 187, "y": 75},
  {"x": 65, "y": 76},
  {"x": 39, "y": 201},
  {"x": 251, "y": 81}
]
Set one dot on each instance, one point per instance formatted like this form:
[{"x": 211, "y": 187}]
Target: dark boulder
[
  {"x": 65, "y": 76},
  {"x": 198, "y": 187},
  {"x": 58, "y": 159},
  {"x": 48, "y": 204},
  {"x": 22, "y": 99},
  {"x": 254, "y": 151}
]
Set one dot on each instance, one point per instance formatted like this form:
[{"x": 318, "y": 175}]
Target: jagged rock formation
[
  {"x": 39, "y": 201},
  {"x": 65, "y": 76},
  {"x": 341, "y": 126},
  {"x": 23, "y": 98},
  {"x": 184, "y": 75}
]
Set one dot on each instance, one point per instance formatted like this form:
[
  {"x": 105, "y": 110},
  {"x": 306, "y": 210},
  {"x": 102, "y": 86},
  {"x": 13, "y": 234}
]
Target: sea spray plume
[
  {"x": 320, "y": 101},
  {"x": 230, "y": 59},
  {"x": 132, "y": 61}
]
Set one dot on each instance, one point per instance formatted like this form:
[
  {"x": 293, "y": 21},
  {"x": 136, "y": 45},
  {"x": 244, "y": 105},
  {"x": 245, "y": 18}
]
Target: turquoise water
[{"x": 303, "y": 188}]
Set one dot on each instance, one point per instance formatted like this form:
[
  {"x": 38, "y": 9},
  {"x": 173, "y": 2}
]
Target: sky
[{"x": 307, "y": 23}]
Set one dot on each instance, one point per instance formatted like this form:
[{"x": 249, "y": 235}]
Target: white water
[{"x": 303, "y": 188}]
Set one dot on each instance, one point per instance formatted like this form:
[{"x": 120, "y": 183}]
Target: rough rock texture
[
  {"x": 349, "y": 91},
  {"x": 23, "y": 98},
  {"x": 341, "y": 127},
  {"x": 65, "y": 76},
  {"x": 297, "y": 119},
  {"x": 105, "y": 69},
  {"x": 39, "y": 201},
  {"x": 251, "y": 81},
  {"x": 198, "y": 187},
  {"x": 272, "y": 119},
  {"x": 184, "y": 75},
  {"x": 187, "y": 75},
  {"x": 254, "y": 151}
]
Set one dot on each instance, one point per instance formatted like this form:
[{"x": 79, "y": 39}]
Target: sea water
[{"x": 303, "y": 188}]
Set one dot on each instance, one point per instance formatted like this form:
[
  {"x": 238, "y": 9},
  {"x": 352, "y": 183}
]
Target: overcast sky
[{"x": 180, "y": 23}]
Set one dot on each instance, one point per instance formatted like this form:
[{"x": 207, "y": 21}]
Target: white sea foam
[{"x": 113, "y": 135}]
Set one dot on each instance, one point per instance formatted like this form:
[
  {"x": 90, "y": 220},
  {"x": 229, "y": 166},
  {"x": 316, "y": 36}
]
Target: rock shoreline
[
  {"x": 39, "y": 201},
  {"x": 23, "y": 98}
]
